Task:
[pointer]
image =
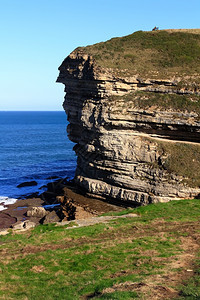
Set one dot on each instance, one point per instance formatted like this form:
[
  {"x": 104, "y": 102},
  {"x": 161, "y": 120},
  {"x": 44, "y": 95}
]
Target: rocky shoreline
[{"x": 60, "y": 202}]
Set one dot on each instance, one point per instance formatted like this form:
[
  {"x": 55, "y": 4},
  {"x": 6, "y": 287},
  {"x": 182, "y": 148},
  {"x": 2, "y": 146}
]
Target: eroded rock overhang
[{"x": 126, "y": 151}]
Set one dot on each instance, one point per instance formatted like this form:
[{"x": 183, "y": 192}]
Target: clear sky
[{"x": 36, "y": 36}]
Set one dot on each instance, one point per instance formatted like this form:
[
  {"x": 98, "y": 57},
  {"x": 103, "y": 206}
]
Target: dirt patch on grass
[
  {"x": 159, "y": 291},
  {"x": 176, "y": 268},
  {"x": 38, "y": 269}
]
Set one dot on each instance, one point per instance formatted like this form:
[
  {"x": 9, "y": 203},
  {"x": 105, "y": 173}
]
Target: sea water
[{"x": 33, "y": 146}]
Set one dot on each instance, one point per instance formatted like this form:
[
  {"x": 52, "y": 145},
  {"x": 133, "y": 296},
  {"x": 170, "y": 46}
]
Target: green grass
[
  {"x": 140, "y": 99},
  {"x": 119, "y": 296},
  {"x": 181, "y": 210},
  {"x": 55, "y": 262},
  {"x": 183, "y": 160},
  {"x": 190, "y": 289},
  {"x": 143, "y": 52}
]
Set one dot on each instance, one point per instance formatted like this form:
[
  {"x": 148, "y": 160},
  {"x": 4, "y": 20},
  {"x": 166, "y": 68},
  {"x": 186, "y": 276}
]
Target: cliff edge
[{"x": 133, "y": 105}]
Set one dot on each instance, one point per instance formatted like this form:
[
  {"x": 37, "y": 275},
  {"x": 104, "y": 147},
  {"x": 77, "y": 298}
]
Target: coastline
[
  {"x": 5, "y": 201},
  {"x": 86, "y": 207},
  {"x": 35, "y": 147},
  {"x": 16, "y": 212}
]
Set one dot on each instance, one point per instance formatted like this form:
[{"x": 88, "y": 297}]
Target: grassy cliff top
[{"x": 151, "y": 52}]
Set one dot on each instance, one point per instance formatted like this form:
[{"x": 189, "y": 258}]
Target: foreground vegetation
[{"x": 152, "y": 255}]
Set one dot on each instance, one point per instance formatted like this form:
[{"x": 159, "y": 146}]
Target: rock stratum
[{"x": 133, "y": 106}]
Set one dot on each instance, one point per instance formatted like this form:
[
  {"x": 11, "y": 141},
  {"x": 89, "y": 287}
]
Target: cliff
[{"x": 133, "y": 105}]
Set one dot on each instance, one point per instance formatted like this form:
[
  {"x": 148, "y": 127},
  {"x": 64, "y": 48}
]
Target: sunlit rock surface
[{"x": 125, "y": 150}]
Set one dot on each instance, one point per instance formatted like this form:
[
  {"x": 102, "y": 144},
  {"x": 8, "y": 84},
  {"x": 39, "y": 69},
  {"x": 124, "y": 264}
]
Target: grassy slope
[
  {"x": 147, "y": 53},
  {"x": 140, "y": 99},
  {"x": 124, "y": 259},
  {"x": 182, "y": 160}
]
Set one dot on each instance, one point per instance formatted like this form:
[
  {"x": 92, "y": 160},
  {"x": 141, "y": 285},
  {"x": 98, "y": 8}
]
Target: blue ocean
[{"x": 34, "y": 147}]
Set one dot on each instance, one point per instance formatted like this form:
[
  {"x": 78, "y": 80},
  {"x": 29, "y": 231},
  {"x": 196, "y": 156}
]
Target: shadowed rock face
[{"x": 124, "y": 150}]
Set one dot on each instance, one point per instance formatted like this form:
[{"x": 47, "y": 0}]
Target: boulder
[
  {"x": 38, "y": 212},
  {"x": 27, "y": 183},
  {"x": 23, "y": 225},
  {"x": 53, "y": 177},
  {"x": 68, "y": 209},
  {"x": 51, "y": 217}
]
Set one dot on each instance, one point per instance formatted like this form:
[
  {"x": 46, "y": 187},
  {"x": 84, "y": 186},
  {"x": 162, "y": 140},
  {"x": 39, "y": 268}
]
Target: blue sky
[{"x": 36, "y": 36}]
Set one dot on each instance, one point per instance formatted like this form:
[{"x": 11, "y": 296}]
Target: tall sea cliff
[{"x": 133, "y": 106}]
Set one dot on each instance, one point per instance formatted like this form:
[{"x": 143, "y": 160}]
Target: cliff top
[{"x": 147, "y": 53}]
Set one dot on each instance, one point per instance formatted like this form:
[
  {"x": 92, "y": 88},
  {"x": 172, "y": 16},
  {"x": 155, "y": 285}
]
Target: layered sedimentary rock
[{"x": 132, "y": 142}]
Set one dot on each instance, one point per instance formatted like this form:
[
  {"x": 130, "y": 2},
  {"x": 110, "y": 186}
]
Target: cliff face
[{"x": 137, "y": 136}]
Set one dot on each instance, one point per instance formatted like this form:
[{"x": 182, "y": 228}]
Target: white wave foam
[{"x": 6, "y": 201}]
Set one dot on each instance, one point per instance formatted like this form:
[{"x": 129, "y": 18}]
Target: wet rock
[
  {"x": 27, "y": 183},
  {"x": 6, "y": 220},
  {"x": 53, "y": 189},
  {"x": 53, "y": 177}
]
